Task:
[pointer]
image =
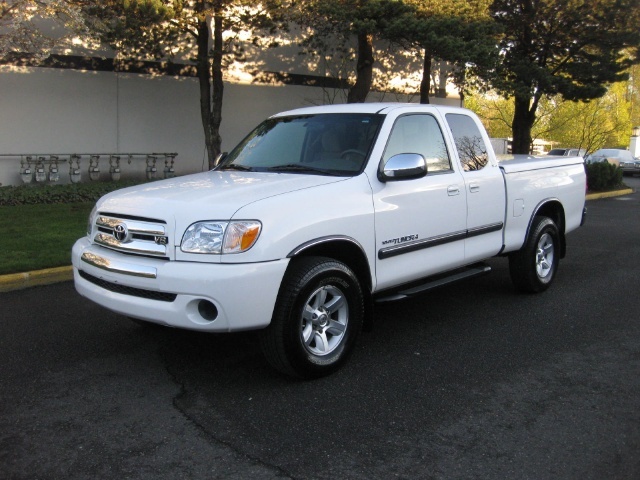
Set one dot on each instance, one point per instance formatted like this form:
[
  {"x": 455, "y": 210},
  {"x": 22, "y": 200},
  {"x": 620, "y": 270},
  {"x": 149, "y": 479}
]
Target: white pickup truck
[{"x": 321, "y": 212}]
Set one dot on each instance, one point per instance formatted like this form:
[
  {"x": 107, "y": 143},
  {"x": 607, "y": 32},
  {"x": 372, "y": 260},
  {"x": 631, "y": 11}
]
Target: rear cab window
[{"x": 472, "y": 150}]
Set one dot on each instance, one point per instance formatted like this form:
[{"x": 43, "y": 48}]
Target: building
[{"x": 82, "y": 102}]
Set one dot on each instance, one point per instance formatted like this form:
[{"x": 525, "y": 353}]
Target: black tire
[
  {"x": 534, "y": 266},
  {"x": 316, "y": 343}
]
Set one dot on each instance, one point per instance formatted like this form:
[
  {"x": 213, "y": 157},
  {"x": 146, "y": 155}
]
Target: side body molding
[{"x": 439, "y": 240}]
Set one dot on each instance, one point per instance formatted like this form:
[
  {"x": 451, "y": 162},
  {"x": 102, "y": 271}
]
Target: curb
[
  {"x": 18, "y": 281},
  {"x": 616, "y": 193}
]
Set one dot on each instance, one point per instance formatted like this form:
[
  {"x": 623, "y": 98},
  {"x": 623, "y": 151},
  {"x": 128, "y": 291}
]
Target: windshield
[
  {"x": 608, "y": 153},
  {"x": 324, "y": 144},
  {"x": 557, "y": 151}
]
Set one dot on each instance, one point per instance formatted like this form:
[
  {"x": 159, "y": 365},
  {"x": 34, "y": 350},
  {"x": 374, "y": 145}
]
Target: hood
[{"x": 217, "y": 195}]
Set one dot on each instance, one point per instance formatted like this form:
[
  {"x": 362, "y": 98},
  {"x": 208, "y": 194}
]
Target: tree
[
  {"x": 598, "y": 123},
  {"x": 36, "y": 26},
  {"x": 337, "y": 21},
  {"x": 459, "y": 32},
  {"x": 633, "y": 95},
  {"x": 206, "y": 32},
  {"x": 571, "y": 48},
  {"x": 602, "y": 122},
  {"x": 495, "y": 112}
]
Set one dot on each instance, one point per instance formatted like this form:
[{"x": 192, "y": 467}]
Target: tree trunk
[
  {"x": 523, "y": 118},
  {"x": 364, "y": 70},
  {"x": 211, "y": 86},
  {"x": 425, "y": 83},
  {"x": 218, "y": 90}
]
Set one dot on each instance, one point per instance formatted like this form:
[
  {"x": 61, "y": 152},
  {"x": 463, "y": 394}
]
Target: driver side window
[{"x": 419, "y": 133}]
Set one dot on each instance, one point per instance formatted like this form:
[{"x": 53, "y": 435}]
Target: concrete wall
[{"x": 64, "y": 111}]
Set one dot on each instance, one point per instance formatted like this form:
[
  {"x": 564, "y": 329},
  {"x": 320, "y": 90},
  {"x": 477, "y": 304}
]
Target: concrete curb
[
  {"x": 616, "y": 193},
  {"x": 18, "y": 281}
]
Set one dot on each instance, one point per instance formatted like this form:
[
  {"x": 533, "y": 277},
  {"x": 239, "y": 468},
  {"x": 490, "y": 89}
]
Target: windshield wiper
[
  {"x": 296, "y": 167},
  {"x": 233, "y": 166}
]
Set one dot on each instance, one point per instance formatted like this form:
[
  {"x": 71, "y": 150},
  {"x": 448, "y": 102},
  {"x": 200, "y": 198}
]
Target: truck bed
[
  {"x": 523, "y": 163},
  {"x": 527, "y": 188}
]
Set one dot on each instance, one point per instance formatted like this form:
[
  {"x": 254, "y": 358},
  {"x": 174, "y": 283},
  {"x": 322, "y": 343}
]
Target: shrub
[
  {"x": 603, "y": 176},
  {"x": 48, "y": 194}
]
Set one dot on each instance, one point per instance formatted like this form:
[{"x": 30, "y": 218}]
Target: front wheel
[
  {"x": 534, "y": 266},
  {"x": 317, "y": 318}
]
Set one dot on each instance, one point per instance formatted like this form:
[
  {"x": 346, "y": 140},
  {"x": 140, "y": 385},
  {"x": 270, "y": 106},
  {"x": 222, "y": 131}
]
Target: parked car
[
  {"x": 567, "y": 152},
  {"x": 616, "y": 156},
  {"x": 630, "y": 167}
]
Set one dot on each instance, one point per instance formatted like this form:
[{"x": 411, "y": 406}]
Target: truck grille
[
  {"x": 124, "y": 290},
  {"x": 132, "y": 235}
]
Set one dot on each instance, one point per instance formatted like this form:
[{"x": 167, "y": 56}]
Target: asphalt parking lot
[{"x": 469, "y": 381}]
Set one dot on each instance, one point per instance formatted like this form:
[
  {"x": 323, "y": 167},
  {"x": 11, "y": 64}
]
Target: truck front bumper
[{"x": 212, "y": 297}]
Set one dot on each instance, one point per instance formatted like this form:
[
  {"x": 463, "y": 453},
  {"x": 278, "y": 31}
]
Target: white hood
[{"x": 205, "y": 196}]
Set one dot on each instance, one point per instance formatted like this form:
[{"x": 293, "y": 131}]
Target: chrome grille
[{"x": 132, "y": 235}]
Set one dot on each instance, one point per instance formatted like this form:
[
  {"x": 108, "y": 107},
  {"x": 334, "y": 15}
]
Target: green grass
[{"x": 33, "y": 237}]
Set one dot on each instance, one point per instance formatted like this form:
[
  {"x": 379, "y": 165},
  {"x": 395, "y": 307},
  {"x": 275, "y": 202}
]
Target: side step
[{"x": 436, "y": 281}]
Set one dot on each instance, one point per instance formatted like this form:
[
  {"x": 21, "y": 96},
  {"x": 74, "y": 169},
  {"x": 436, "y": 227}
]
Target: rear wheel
[
  {"x": 317, "y": 318},
  {"x": 533, "y": 267}
]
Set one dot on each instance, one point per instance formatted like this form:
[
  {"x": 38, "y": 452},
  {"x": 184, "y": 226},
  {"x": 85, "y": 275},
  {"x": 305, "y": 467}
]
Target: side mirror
[
  {"x": 219, "y": 159},
  {"x": 404, "y": 166}
]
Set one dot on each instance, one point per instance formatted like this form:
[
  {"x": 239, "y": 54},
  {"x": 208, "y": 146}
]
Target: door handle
[
  {"x": 474, "y": 187},
  {"x": 453, "y": 190}
]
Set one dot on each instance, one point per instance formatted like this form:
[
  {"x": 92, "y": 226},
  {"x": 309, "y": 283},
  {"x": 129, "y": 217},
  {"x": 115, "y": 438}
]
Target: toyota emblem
[{"x": 120, "y": 232}]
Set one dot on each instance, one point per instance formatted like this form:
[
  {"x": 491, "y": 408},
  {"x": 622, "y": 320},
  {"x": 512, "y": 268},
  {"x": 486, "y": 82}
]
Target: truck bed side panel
[{"x": 529, "y": 184}]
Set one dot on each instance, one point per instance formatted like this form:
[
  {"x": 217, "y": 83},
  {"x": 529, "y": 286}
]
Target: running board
[{"x": 430, "y": 283}]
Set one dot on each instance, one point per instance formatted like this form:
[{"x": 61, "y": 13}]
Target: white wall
[{"x": 64, "y": 111}]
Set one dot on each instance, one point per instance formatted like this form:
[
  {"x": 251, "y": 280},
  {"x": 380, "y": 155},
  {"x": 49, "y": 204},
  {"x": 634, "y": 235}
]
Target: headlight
[
  {"x": 220, "y": 237},
  {"x": 91, "y": 220}
]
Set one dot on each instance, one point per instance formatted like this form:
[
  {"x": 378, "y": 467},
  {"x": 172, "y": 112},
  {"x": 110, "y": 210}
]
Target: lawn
[{"x": 34, "y": 237}]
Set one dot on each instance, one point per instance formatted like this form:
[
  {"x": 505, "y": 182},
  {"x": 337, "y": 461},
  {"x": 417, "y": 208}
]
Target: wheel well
[
  {"x": 349, "y": 253},
  {"x": 346, "y": 252},
  {"x": 555, "y": 211}
]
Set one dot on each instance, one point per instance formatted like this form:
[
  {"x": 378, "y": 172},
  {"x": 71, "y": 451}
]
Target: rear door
[{"x": 485, "y": 189}]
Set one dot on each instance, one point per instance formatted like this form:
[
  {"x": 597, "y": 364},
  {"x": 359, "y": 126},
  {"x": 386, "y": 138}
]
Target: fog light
[{"x": 207, "y": 310}]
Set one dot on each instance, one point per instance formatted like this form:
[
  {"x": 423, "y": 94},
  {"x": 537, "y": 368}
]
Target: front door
[{"x": 420, "y": 223}]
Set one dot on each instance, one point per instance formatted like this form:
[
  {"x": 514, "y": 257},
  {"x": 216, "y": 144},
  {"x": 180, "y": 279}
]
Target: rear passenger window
[
  {"x": 471, "y": 148},
  {"x": 419, "y": 134}
]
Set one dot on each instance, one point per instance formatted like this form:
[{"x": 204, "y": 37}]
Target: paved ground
[{"x": 470, "y": 381}]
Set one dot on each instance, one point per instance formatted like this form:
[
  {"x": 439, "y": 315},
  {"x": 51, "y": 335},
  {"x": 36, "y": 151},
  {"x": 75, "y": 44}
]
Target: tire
[
  {"x": 317, "y": 318},
  {"x": 533, "y": 268}
]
